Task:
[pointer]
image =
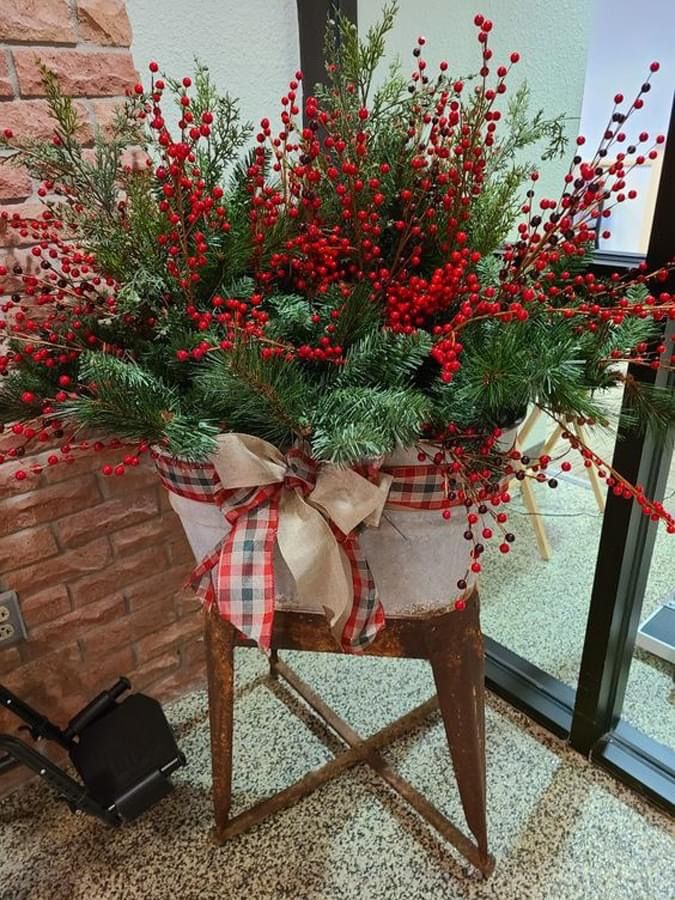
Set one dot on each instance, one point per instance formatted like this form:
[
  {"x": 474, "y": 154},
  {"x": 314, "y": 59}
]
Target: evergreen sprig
[
  {"x": 384, "y": 359},
  {"x": 357, "y": 423},
  {"x": 256, "y": 292},
  {"x": 648, "y": 407}
]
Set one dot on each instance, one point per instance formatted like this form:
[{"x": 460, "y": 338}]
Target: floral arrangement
[{"x": 374, "y": 275}]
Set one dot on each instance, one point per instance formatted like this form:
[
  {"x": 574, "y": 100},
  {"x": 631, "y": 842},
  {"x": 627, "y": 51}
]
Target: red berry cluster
[
  {"x": 191, "y": 209},
  {"x": 332, "y": 186}
]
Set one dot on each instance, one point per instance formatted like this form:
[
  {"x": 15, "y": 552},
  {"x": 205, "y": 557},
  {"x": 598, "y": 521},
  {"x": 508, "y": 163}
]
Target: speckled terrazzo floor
[{"x": 559, "y": 828}]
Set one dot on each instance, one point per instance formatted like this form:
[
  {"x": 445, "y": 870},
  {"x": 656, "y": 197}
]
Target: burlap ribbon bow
[{"x": 310, "y": 512}]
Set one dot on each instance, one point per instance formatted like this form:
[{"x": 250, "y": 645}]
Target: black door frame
[{"x": 590, "y": 717}]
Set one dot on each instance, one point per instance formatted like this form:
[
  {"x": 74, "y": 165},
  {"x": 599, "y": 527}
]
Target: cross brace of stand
[{"x": 453, "y": 644}]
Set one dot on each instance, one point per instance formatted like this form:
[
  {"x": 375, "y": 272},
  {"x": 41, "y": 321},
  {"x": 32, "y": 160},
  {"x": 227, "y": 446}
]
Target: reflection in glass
[
  {"x": 538, "y": 607},
  {"x": 650, "y": 695}
]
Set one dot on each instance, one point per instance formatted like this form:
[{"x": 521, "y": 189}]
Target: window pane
[
  {"x": 537, "y": 607},
  {"x": 625, "y": 38},
  {"x": 650, "y": 695}
]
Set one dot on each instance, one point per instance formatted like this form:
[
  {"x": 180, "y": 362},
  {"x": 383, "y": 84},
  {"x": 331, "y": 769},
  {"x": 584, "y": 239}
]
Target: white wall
[
  {"x": 252, "y": 50},
  {"x": 625, "y": 37},
  {"x": 250, "y": 46},
  {"x": 551, "y": 36}
]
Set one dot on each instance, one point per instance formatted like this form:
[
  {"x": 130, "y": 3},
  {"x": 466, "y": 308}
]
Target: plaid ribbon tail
[
  {"x": 367, "y": 615},
  {"x": 243, "y": 580},
  {"x": 238, "y": 574},
  {"x": 200, "y": 581}
]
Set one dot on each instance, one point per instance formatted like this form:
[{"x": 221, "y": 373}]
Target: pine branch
[
  {"x": 648, "y": 407},
  {"x": 361, "y": 422},
  {"x": 291, "y": 318},
  {"x": 270, "y": 398},
  {"x": 384, "y": 359},
  {"x": 349, "y": 443},
  {"x": 125, "y": 399},
  {"x": 506, "y": 367},
  {"x": 190, "y": 439},
  {"x": 358, "y": 314},
  {"x": 625, "y": 337},
  {"x": 12, "y": 387}
]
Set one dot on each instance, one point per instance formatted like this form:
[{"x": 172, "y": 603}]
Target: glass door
[{"x": 562, "y": 615}]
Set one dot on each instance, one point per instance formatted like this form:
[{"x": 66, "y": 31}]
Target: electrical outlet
[{"x": 12, "y": 628}]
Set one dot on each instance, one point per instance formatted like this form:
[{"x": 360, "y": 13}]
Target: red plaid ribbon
[
  {"x": 238, "y": 573},
  {"x": 419, "y": 487}
]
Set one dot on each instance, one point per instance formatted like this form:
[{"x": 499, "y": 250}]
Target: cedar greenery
[{"x": 228, "y": 290}]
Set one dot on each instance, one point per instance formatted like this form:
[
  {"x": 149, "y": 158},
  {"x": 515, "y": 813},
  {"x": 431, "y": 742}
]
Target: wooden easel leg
[
  {"x": 543, "y": 543},
  {"x": 599, "y": 490},
  {"x": 528, "y": 425},
  {"x": 457, "y": 660},
  {"x": 219, "y": 640},
  {"x": 529, "y": 501}
]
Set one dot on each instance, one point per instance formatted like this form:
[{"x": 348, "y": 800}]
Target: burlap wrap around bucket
[{"x": 416, "y": 556}]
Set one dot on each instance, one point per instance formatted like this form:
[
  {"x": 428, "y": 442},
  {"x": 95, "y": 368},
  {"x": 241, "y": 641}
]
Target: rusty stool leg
[
  {"x": 456, "y": 654},
  {"x": 219, "y": 640}
]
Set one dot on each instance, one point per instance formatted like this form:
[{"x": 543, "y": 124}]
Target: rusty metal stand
[{"x": 451, "y": 641}]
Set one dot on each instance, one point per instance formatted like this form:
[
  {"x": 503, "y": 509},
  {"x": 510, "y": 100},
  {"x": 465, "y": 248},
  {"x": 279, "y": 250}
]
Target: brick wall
[{"x": 97, "y": 562}]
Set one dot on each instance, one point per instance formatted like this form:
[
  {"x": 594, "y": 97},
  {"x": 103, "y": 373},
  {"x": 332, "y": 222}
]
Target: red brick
[
  {"x": 193, "y": 653},
  {"x": 181, "y": 553},
  {"x": 10, "y": 487},
  {"x": 158, "y": 530},
  {"x": 20, "y": 776},
  {"x": 30, "y": 209},
  {"x": 104, "y": 22},
  {"x": 7, "y": 440},
  {"x": 187, "y": 602},
  {"x": 178, "y": 633},
  {"x": 190, "y": 676},
  {"x": 122, "y": 572},
  {"x": 52, "y": 684},
  {"x": 48, "y": 676},
  {"x": 6, "y": 87},
  {"x": 164, "y": 502},
  {"x": 134, "y": 478},
  {"x": 129, "y": 628},
  {"x": 27, "y": 118},
  {"x": 9, "y": 659},
  {"x": 38, "y": 607},
  {"x": 164, "y": 585},
  {"x": 31, "y": 118},
  {"x": 78, "y": 528},
  {"x": 135, "y": 158},
  {"x": 155, "y": 669},
  {"x": 91, "y": 557},
  {"x": 104, "y": 112},
  {"x": 14, "y": 214},
  {"x": 102, "y": 673},
  {"x": 25, "y": 547},
  {"x": 46, "y": 504},
  {"x": 69, "y": 683},
  {"x": 37, "y": 20},
  {"x": 74, "y": 625},
  {"x": 81, "y": 74},
  {"x": 17, "y": 256},
  {"x": 14, "y": 183},
  {"x": 73, "y": 467}
]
